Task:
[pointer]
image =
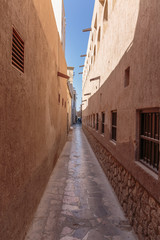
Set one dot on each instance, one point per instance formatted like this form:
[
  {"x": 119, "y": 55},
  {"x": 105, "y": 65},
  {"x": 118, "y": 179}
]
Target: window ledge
[
  {"x": 113, "y": 142},
  {"x": 147, "y": 170}
]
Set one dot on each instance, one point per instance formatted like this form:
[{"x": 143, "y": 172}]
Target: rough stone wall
[
  {"x": 142, "y": 210},
  {"x": 33, "y": 125}
]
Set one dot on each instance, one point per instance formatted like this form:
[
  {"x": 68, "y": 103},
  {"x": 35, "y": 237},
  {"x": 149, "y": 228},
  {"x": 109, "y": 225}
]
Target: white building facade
[{"x": 59, "y": 12}]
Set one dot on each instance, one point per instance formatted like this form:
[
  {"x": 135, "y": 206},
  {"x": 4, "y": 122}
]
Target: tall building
[
  {"x": 121, "y": 105},
  {"x": 32, "y": 90},
  {"x": 59, "y": 12}
]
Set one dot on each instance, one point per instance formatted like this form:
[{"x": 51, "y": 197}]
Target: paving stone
[
  {"x": 69, "y": 238},
  {"x": 67, "y": 231},
  {"x": 80, "y": 233},
  {"x": 79, "y": 202},
  {"x": 94, "y": 235}
]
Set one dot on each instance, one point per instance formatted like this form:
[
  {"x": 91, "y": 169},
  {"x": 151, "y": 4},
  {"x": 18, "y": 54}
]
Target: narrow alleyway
[{"x": 79, "y": 202}]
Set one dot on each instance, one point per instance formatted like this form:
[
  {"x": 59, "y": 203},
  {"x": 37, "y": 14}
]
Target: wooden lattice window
[
  {"x": 114, "y": 125},
  {"x": 17, "y": 51},
  {"x": 149, "y": 138},
  {"x": 103, "y": 121}
]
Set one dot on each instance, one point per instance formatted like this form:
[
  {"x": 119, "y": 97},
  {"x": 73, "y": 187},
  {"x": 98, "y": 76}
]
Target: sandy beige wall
[
  {"x": 129, "y": 39},
  {"x": 33, "y": 125}
]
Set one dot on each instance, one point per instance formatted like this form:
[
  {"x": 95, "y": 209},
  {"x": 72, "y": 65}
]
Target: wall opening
[
  {"x": 95, "y": 23},
  {"x": 105, "y": 17},
  {"x": 101, "y": 1},
  {"x": 103, "y": 121},
  {"x": 114, "y": 126},
  {"x": 17, "y": 51},
  {"x": 99, "y": 38},
  {"x": 127, "y": 77}
]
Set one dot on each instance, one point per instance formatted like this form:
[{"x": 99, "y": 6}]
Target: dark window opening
[
  {"x": 106, "y": 11},
  {"x": 103, "y": 120},
  {"x": 17, "y": 51},
  {"x": 127, "y": 77},
  {"x": 95, "y": 23},
  {"x": 97, "y": 121},
  {"x": 59, "y": 98},
  {"x": 101, "y": 1},
  {"x": 114, "y": 125},
  {"x": 93, "y": 120},
  {"x": 149, "y": 139}
]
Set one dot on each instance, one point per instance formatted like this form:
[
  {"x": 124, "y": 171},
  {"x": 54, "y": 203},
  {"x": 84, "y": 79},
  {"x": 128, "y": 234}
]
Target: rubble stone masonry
[{"x": 142, "y": 210}]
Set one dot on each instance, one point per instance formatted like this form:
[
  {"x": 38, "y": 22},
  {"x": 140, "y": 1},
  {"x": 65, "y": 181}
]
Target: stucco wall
[
  {"x": 128, "y": 38},
  {"x": 33, "y": 125},
  {"x": 134, "y": 21}
]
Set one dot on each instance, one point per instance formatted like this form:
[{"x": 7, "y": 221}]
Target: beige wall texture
[
  {"x": 127, "y": 37},
  {"x": 33, "y": 124}
]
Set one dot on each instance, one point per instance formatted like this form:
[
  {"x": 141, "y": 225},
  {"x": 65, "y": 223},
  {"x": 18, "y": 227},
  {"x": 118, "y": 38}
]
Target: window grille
[
  {"x": 17, "y": 51},
  {"x": 103, "y": 120},
  {"x": 114, "y": 125},
  {"x": 149, "y": 139}
]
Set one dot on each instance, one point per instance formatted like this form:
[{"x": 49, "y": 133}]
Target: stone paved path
[{"x": 79, "y": 202}]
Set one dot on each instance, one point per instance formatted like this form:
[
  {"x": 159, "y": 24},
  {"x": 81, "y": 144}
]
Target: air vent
[{"x": 17, "y": 51}]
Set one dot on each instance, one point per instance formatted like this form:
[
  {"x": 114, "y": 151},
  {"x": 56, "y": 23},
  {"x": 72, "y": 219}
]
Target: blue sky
[{"x": 78, "y": 17}]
